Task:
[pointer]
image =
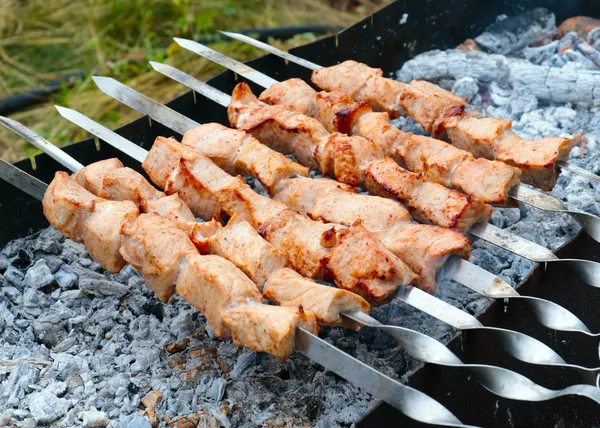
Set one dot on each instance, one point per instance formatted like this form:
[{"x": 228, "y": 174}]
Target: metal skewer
[
  {"x": 523, "y": 347},
  {"x": 502, "y": 382},
  {"x": 589, "y": 222},
  {"x": 411, "y": 402},
  {"x": 312, "y": 66}
]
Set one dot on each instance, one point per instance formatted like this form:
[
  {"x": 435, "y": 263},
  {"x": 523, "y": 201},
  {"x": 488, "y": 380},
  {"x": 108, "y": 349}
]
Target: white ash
[{"x": 510, "y": 34}]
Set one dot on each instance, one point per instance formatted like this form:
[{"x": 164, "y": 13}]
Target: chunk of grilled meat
[
  {"x": 352, "y": 160},
  {"x": 313, "y": 248},
  {"x": 241, "y": 244},
  {"x": 287, "y": 287},
  {"x": 237, "y": 152},
  {"x": 492, "y": 138},
  {"x": 362, "y": 83},
  {"x": 435, "y": 160},
  {"x": 154, "y": 247},
  {"x": 428, "y": 202},
  {"x": 86, "y": 218},
  {"x": 332, "y": 202}
]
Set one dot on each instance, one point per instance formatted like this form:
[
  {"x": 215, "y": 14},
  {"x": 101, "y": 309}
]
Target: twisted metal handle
[{"x": 500, "y": 381}]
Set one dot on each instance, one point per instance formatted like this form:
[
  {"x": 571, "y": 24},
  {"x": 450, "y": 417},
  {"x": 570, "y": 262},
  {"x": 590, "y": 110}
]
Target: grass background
[{"x": 42, "y": 40}]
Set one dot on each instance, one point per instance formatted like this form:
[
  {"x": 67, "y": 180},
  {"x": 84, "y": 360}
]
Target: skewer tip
[
  {"x": 61, "y": 109},
  {"x": 158, "y": 65}
]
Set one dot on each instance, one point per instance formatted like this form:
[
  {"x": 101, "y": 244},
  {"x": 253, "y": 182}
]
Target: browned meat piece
[
  {"x": 239, "y": 243},
  {"x": 488, "y": 181},
  {"x": 213, "y": 286},
  {"x": 338, "y": 112},
  {"x": 351, "y": 156},
  {"x": 492, "y": 138},
  {"x": 155, "y": 247},
  {"x": 237, "y": 152},
  {"x": 125, "y": 184},
  {"x": 361, "y": 264},
  {"x": 424, "y": 248},
  {"x": 276, "y": 126},
  {"x": 476, "y": 135},
  {"x": 294, "y": 92},
  {"x": 304, "y": 242},
  {"x": 91, "y": 177},
  {"x": 427, "y": 202},
  {"x": 86, "y": 218},
  {"x": 333, "y": 202},
  {"x": 429, "y": 105},
  {"x": 232, "y": 193},
  {"x": 288, "y": 288},
  {"x": 265, "y": 328},
  {"x": 335, "y": 110},
  {"x": 362, "y": 83},
  {"x": 162, "y": 166}
]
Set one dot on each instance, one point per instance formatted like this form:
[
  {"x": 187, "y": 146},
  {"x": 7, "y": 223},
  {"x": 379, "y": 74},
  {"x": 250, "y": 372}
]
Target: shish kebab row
[
  {"x": 374, "y": 162},
  {"x": 226, "y": 155},
  {"x": 442, "y": 114},
  {"x": 149, "y": 242}
]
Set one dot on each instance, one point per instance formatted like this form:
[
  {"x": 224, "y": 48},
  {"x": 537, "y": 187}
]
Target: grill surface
[{"x": 381, "y": 41}]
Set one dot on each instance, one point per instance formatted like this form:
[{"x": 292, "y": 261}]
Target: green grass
[{"x": 44, "y": 40}]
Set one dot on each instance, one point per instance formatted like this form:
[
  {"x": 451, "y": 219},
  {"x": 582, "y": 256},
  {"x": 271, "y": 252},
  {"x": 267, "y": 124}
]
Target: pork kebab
[
  {"x": 237, "y": 242},
  {"x": 227, "y": 146},
  {"x": 442, "y": 114}
]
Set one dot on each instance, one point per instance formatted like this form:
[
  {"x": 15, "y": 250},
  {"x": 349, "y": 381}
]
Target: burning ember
[{"x": 83, "y": 346}]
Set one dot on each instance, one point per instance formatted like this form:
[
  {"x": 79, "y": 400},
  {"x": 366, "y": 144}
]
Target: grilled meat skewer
[
  {"x": 114, "y": 234},
  {"x": 237, "y": 242},
  {"x": 430, "y": 105},
  {"x": 436, "y": 161},
  {"x": 441, "y": 113},
  {"x": 424, "y": 248}
]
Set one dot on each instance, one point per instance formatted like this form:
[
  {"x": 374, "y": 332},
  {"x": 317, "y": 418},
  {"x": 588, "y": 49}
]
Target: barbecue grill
[{"x": 383, "y": 42}]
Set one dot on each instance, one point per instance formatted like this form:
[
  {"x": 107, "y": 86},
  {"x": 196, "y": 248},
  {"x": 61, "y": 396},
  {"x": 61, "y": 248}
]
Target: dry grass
[{"x": 43, "y": 40}]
